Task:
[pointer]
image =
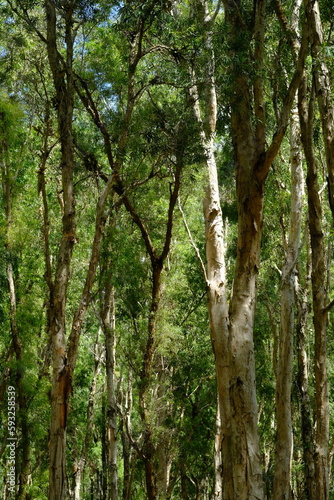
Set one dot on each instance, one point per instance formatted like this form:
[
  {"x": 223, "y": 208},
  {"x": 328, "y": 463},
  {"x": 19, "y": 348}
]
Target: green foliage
[{"x": 162, "y": 131}]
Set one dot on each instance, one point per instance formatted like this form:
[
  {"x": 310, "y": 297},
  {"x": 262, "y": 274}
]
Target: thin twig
[{"x": 192, "y": 242}]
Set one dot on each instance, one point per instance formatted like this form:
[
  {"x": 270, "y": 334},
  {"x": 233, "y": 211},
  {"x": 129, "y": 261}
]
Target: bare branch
[
  {"x": 265, "y": 161},
  {"x": 328, "y": 308},
  {"x": 192, "y": 242}
]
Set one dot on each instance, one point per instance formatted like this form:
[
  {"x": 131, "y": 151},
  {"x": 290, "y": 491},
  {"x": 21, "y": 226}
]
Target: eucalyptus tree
[
  {"x": 64, "y": 353},
  {"x": 322, "y": 91},
  {"x": 164, "y": 159},
  {"x": 253, "y": 160},
  {"x": 284, "y": 437},
  {"x": 319, "y": 295},
  {"x": 139, "y": 106},
  {"x": 215, "y": 272},
  {"x": 10, "y": 145}
]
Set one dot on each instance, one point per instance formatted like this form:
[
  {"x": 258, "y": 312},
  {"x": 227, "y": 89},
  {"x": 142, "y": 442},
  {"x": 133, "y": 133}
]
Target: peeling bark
[
  {"x": 60, "y": 382},
  {"x": 323, "y": 89},
  {"x": 303, "y": 386},
  {"x": 215, "y": 271},
  {"x": 284, "y": 437},
  {"x": 252, "y": 164},
  {"x": 63, "y": 356},
  {"x": 320, "y": 314}
]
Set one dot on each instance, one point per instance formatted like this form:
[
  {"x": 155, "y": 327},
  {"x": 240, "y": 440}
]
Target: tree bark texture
[
  {"x": 320, "y": 314},
  {"x": 215, "y": 272},
  {"x": 323, "y": 90},
  {"x": 107, "y": 316},
  {"x": 284, "y": 436},
  {"x": 252, "y": 164},
  {"x": 60, "y": 381},
  {"x": 244, "y": 452},
  {"x": 64, "y": 360},
  {"x": 303, "y": 387}
]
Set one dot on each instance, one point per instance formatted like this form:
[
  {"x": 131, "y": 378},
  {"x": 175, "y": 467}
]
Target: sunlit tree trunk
[
  {"x": 252, "y": 163},
  {"x": 243, "y": 451},
  {"x": 215, "y": 271},
  {"x": 284, "y": 436}
]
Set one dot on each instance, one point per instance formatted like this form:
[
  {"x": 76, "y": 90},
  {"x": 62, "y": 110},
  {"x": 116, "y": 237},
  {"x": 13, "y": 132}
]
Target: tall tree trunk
[
  {"x": 80, "y": 460},
  {"x": 303, "y": 388},
  {"x": 323, "y": 94},
  {"x": 126, "y": 443},
  {"x": 320, "y": 312},
  {"x": 64, "y": 360},
  {"x": 7, "y": 179},
  {"x": 60, "y": 381},
  {"x": 284, "y": 437},
  {"x": 107, "y": 316},
  {"x": 215, "y": 272},
  {"x": 232, "y": 331},
  {"x": 322, "y": 89},
  {"x": 148, "y": 450},
  {"x": 244, "y": 452},
  {"x": 252, "y": 164}
]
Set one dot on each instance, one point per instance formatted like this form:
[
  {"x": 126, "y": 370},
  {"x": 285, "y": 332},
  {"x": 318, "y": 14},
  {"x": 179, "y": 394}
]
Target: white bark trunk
[
  {"x": 284, "y": 437},
  {"x": 218, "y": 491},
  {"x": 215, "y": 246}
]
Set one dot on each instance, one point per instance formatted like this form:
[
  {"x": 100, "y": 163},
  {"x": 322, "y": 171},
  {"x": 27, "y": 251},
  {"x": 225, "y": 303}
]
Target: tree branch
[
  {"x": 193, "y": 244},
  {"x": 328, "y": 308},
  {"x": 265, "y": 161}
]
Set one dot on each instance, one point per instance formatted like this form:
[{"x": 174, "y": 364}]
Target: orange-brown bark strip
[{"x": 61, "y": 386}]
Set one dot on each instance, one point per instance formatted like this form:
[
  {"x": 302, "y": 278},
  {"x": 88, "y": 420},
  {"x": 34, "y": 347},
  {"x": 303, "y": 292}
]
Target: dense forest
[{"x": 166, "y": 228}]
